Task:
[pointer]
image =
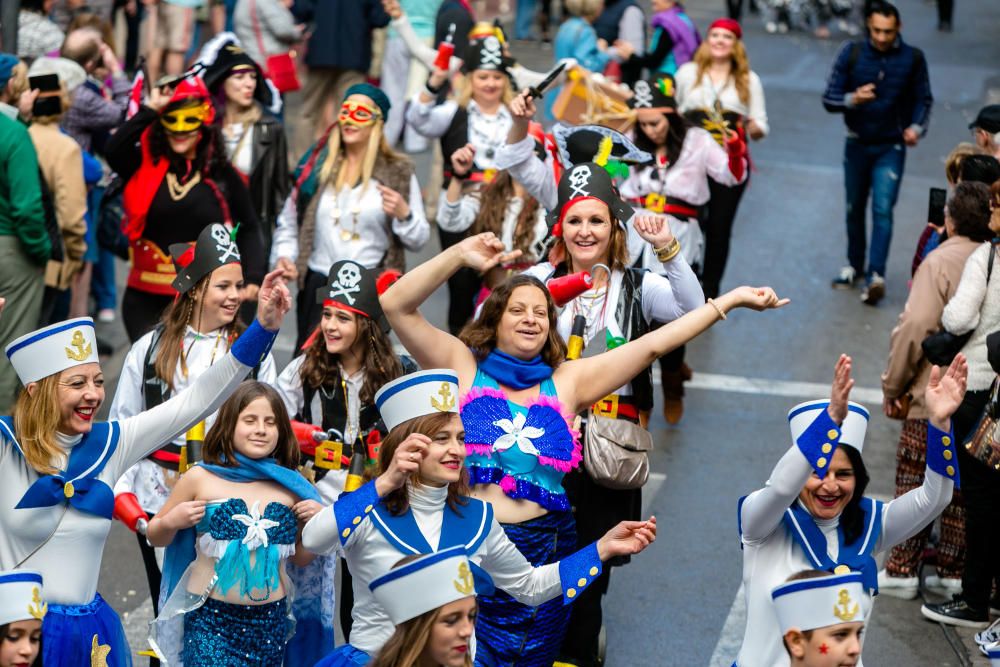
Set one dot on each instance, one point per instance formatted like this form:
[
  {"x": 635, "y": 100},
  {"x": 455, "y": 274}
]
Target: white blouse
[
  {"x": 691, "y": 95},
  {"x": 487, "y": 132}
]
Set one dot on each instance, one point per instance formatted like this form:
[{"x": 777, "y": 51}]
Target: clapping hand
[
  {"x": 273, "y": 300},
  {"x": 945, "y": 391},
  {"x": 627, "y": 538},
  {"x": 840, "y": 390},
  {"x": 484, "y": 251}
]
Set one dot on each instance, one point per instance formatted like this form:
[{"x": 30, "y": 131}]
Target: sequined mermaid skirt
[
  {"x": 220, "y": 634},
  {"x": 509, "y": 633}
]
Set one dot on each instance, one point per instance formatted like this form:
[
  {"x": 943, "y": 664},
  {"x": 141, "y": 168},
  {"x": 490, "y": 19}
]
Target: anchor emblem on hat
[
  {"x": 83, "y": 348},
  {"x": 464, "y": 584},
  {"x": 844, "y": 610},
  {"x": 37, "y": 608},
  {"x": 447, "y": 402}
]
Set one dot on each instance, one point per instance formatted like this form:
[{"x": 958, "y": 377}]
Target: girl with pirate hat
[
  {"x": 247, "y": 105},
  {"x": 813, "y": 513},
  {"x": 420, "y": 504},
  {"x": 517, "y": 390},
  {"x": 58, "y": 466},
  {"x": 332, "y": 385},
  {"x": 195, "y": 332},
  {"x": 178, "y": 179},
  {"x": 354, "y": 198}
]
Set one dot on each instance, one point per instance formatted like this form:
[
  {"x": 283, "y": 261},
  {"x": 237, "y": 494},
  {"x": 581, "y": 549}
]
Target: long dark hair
[
  {"x": 218, "y": 449},
  {"x": 210, "y": 153},
  {"x": 676, "y": 132},
  {"x": 493, "y": 206},
  {"x": 38, "y": 658},
  {"x": 852, "y": 519},
  {"x": 480, "y": 335}
]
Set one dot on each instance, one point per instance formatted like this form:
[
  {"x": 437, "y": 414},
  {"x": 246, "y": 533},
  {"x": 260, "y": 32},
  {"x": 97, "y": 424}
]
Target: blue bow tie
[{"x": 87, "y": 495}]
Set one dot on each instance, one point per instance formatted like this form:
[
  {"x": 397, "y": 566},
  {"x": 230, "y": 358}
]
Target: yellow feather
[{"x": 604, "y": 152}]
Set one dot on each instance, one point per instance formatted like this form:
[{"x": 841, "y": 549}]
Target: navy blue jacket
[
  {"x": 902, "y": 88},
  {"x": 341, "y": 31}
]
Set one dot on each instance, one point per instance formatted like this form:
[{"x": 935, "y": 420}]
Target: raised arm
[
  {"x": 582, "y": 382},
  {"x": 518, "y": 157},
  {"x": 430, "y": 346}
]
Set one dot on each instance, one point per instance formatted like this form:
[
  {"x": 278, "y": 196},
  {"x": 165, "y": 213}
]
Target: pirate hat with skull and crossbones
[
  {"x": 215, "y": 247},
  {"x": 588, "y": 180},
  {"x": 487, "y": 53},
  {"x": 655, "y": 94},
  {"x": 352, "y": 287}
]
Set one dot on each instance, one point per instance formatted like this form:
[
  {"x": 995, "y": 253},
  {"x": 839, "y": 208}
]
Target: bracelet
[
  {"x": 718, "y": 308},
  {"x": 432, "y": 90},
  {"x": 668, "y": 252}
]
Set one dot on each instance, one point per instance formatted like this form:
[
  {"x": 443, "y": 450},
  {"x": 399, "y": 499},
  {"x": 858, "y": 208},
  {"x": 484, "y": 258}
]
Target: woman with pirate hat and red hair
[
  {"x": 178, "y": 179},
  {"x": 195, "y": 332}
]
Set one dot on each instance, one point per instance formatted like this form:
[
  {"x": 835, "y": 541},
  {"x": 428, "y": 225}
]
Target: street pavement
[{"x": 679, "y": 604}]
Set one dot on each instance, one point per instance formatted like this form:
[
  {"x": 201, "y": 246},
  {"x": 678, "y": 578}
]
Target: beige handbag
[{"x": 616, "y": 452}]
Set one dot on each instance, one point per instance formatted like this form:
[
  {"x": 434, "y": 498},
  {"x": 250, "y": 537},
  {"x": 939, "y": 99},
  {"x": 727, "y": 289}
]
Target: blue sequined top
[{"x": 525, "y": 450}]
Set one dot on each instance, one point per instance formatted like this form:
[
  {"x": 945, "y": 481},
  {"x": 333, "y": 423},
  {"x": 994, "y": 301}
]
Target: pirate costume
[
  {"x": 168, "y": 199},
  {"x": 374, "y": 538},
  {"x": 58, "y": 523},
  {"x": 140, "y": 388},
  {"x": 780, "y": 537},
  {"x": 319, "y": 226}
]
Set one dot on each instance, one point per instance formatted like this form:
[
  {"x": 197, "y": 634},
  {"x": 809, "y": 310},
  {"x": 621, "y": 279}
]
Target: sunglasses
[{"x": 358, "y": 114}]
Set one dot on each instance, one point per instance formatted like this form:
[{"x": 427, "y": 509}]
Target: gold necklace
[
  {"x": 346, "y": 235},
  {"x": 179, "y": 191}
]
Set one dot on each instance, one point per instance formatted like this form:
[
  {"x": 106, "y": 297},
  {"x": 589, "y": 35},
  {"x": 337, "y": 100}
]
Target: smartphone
[
  {"x": 935, "y": 205},
  {"x": 49, "y": 102}
]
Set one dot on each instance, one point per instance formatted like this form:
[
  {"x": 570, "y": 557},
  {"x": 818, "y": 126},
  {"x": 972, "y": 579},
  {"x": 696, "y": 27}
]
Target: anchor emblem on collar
[
  {"x": 83, "y": 348},
  {"x": 844, "y": 609},
  {"x": 447, "y": 402}
]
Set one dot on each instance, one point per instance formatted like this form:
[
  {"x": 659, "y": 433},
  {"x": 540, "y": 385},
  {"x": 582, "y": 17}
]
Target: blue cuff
[
  {"x": 941, "y": 455},
  {"x": 578, "y": 571},
  {"x": 253, "y": 345},
  {"x": 818, "y": 442},
  {"x": 352, "y": 507}
]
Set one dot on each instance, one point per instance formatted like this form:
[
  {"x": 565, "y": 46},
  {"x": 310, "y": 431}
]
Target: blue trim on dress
[
  {"x": 819, "y": 582},
  {"x": 817, "y": 444},
  {"x": 253, "y": 344},
  {"x": 941, "y": 455}
]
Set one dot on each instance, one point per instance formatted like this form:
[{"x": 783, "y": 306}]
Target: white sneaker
[
  {"x": 106, "y": 315},
  {"x": 990, "y": 635},
  {"x": 947, "y": 586},
  {"x": 904, "y": 588},
  {"x": 771, "y": 27}
]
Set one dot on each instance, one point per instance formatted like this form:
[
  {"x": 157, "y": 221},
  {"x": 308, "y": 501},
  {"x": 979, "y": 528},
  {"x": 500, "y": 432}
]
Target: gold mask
[
  {"x": 358, "y": 114},
  {"x": 185, "y": 119}
]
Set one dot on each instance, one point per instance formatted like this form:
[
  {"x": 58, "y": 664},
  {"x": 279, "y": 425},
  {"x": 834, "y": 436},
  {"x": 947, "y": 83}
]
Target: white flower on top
[
  {"x": 516, "y": 433},
  {"x": 256, "y": 527}
]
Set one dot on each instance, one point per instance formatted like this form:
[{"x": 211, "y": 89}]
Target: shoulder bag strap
[{"x": 256, "y": 32}]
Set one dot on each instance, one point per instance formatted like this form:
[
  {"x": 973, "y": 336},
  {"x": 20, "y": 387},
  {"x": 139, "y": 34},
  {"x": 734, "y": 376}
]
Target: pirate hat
[
  {"x": 215, "y": 247},
  {"x": 222, "y": 57},
  {"x": 352, "y": 287},
  {"x": 487, "y": 53},
  {"x": 655, "y": 94},
  {"x": 588, "y": 181},
  {"x": 590, "y": 143}
]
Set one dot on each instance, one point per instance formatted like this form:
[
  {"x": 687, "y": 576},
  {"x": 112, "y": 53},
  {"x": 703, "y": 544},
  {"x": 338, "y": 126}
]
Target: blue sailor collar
[
  {"x": 77, "y": 485},
  {"x": 467, "y": 527},
  {"x": 857, "y": 556}
]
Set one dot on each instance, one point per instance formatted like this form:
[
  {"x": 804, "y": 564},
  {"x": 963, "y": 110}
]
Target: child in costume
[
  {"x": 58, "y": 466},
  {"x": 821, "y": 617},
  {"x": 419, "y": 504},
  {"x": 229, "y": 607},
  {"x": 432, "y": 601},
  {"x": 22, "y": 608}
]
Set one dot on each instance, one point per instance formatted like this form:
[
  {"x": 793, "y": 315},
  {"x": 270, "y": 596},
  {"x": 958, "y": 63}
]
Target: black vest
[{"x": 606, "y": 24}]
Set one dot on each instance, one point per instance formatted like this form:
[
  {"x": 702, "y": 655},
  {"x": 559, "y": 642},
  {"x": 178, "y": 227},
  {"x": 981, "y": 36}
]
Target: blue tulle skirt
[
  {"x": 345, "y": 656},
  {"x": 83, "y": 634}
]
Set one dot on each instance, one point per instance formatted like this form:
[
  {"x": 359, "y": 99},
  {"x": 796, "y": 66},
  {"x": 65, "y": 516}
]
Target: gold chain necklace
[{"x": 179, "y": 191}]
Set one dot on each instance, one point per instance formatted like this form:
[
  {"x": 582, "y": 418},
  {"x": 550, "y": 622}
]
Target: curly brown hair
[
  {"x": 493, "y": 207},
  {"x": 480, "y": 335},
  {"x": 218, "y": 448}
]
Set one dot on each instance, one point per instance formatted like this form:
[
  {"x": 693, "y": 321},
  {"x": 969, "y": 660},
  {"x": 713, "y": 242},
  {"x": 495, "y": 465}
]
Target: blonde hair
[
  {"x": 406, "y": 645},
  {"x": 36, "y": 420},
  {"x": 953, "y": 163},
  {"x": 584, "y": 8},
  {"x": 464, "y": 95},
  {"x": 18, "y": 82},
  {"x": 377, "y": 145},
  {"x": 739, "y": 72}
]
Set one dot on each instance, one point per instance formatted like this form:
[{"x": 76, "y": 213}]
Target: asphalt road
[{"x": 678, "y": 604}]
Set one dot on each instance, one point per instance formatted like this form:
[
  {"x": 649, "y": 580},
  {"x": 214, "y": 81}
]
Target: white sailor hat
[
  {"x": 417, "y": 394},
  {"x": 21, "y": 596},
  {"x": 808, "y": 604},
  {"x": 424, "y": 584},
  {"x": 53, "y": 349},
  {"x": 852, "y": 431},
  {"x": 993, "y": 653}
]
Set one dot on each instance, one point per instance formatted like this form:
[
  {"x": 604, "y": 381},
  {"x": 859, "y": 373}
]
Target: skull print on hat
[
  {"x": 353, "y": 287},
  {"x": 588, "y": 180},
  {"x": 215, "y": 247}
]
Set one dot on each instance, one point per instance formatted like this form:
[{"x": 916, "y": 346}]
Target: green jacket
[{"x": 21, "y": 212}]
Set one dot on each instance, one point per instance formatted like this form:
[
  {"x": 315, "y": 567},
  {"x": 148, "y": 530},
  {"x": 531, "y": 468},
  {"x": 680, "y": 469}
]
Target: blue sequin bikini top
[
  {"x": 526, "y": 450},
  {"x": 230, "y": 532}
]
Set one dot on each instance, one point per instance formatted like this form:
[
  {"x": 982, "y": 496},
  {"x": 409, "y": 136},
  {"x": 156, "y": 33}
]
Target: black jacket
[
  {"x": 341, "y": 31},
  {"x": 270, "y": 180}
]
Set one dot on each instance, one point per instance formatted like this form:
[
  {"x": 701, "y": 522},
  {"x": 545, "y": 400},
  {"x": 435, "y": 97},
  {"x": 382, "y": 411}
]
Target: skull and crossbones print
[
  {"x": 224, "y": 244},
  {"x": 348, "y": 282},
  {"x": 579, "y": 179},
  {"x": 643, "y": 95},
  {"x": 490, "y": 53}
]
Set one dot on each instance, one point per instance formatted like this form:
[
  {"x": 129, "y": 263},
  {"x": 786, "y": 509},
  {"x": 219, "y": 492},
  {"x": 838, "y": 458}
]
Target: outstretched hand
[
  {"x": 627, "y": 538},
  {"x": 758, "y": 298},
  {"x": 945, "y": 391},
  {"x": 484, "y": 251},
  {"x": 523, "y": 106},
  {"x": 273, "y": 300},
  {"x": 840, "y": 390}
]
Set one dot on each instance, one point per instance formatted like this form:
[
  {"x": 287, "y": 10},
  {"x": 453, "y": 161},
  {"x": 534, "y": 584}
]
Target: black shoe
[{"x": 956, "y": 612}]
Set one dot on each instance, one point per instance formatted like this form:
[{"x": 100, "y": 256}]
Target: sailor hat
[
  {"x": 425, "y": 584},
  {"x": 808, "y": 604},
  {"x": 21, "y": 596},
  {"x": 417, "y": 394},
  {"x": 852, "y": 431},
  {"x": 993, "y": 653},
  {"x": 53, "y": 349}
]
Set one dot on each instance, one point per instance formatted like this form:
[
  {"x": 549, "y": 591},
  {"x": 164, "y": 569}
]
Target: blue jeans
[
  {"x": 524, "y": 19},
  {"x": 875, "y": 168}
]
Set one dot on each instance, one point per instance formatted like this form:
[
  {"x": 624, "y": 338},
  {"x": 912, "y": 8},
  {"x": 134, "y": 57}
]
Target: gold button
[
  {"x": 357, "y": 520},
  {"x": 827, "y": 448},
  {"x": 947, "y": 455},
  {"x": 821, "y": 462},
  {"x": 950, "y": 470},
  {"x": 571, "y": 593},
  {"x": 68, "y": 489},
  {"x": 582, "y": 582},
  {"x": 831, "y": 434},
  {"x": 594, "y": 571},
  {"x": 347, "y": 531},
  {"x": 368, "y": 509},
  {"x": 841, "y": 569},
  {"x": 945, "y": 441}
]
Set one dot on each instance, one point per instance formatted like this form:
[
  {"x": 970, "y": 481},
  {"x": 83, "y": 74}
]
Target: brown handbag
[{"x": 984, "y": 445}]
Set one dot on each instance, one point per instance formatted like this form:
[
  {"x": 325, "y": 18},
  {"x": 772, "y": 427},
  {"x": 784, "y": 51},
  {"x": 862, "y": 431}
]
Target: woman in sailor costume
[
  {"x": 419, "y": 505},
  {"x": 58, "y": 466},
  {"x": 197, "y": 330},
  {"x": 432, "y": 601},
  {"x": 22, "y": 608},
  {"x": 813, "y": 513}
]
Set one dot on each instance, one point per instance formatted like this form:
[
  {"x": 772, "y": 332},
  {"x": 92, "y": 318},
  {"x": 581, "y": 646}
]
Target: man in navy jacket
[{"x": 882, "y": 87}]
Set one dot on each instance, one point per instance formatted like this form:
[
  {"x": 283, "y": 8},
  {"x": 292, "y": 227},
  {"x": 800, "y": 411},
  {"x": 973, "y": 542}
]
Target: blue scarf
[
  {"x": 513, "y": 372},
  {"x": 181, "y": 551}
]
